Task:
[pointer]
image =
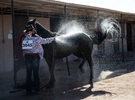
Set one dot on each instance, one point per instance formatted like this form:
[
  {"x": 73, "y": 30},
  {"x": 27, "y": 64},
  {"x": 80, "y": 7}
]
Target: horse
[{"x": 79, "y": 44}]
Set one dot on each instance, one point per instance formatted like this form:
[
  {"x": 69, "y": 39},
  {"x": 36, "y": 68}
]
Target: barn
[{"x": 15, "y": 13}]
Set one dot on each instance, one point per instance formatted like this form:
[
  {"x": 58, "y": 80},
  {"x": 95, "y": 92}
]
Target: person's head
[{"x": 29, "y": 29}]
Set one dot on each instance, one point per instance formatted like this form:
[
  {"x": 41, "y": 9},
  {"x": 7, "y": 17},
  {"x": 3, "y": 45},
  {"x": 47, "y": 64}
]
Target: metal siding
[
  {"x": 1, "y": 48},
  {"x": 6, "y": 47}
]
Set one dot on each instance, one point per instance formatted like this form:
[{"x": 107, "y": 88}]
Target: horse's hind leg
[
  {"x": 88, "y": 54},
  {"x": 83, "y": 61},
  {"x": 81, "y": 65}
]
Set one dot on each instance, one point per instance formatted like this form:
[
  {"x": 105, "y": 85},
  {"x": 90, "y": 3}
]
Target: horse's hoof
[
  {"x": 90, "y": 88},
  {"x": 82, "y": 70}
]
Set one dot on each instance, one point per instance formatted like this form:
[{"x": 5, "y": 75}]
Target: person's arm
[{"x": 47, "y": 40}]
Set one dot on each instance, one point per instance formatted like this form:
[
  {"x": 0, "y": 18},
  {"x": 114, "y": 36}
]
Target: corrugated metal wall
[{"x": 6, "y": 44}]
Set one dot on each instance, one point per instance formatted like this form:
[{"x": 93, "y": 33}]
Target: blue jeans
[{"x": 32, "y": 65}]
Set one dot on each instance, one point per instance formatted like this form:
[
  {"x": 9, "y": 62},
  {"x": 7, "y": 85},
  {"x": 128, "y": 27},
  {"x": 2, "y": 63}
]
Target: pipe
[
  {"x": 65, "y": 14},
  {"x": 3, "y": 40},
  {"x": 13, "y": 31}
]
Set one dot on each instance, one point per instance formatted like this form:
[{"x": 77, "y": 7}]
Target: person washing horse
[{"x": 33, "y": 52}]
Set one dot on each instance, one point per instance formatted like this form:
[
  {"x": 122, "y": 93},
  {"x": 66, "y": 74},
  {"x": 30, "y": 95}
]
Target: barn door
[
  {"x": 6, "y": 44},
  {"x": 20, "y": 22},
  {"x": 129, "y": 37}
]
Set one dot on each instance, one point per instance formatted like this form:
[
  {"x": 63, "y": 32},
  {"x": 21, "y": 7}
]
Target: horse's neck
[{"x": 43, "y": 31}]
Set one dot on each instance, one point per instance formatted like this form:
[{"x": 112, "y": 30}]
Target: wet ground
[{"x": 75, "y": 86}]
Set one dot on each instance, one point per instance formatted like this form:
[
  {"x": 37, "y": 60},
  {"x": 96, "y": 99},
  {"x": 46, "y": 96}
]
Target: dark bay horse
[{"x": 79, "y": 44}]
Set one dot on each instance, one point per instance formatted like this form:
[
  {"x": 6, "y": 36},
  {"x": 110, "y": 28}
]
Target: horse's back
[
  {"x": 71, "y": 43},
  {"x": 72, "y": 40}
]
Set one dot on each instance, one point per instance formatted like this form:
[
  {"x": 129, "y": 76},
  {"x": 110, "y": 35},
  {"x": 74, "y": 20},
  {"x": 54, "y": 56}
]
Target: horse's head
[
  {"x": 39, "y": 29},
  {"x": 32, "y": 23}
]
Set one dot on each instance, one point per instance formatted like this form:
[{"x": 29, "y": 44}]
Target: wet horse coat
[{"x": 79, "y": 44}]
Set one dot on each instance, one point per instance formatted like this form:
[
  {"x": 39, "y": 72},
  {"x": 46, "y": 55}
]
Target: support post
[
  {"x": 123, "y": 58},
  {"x": 13, "y": 31}
]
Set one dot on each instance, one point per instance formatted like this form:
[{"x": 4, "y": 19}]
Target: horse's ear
[{"x": 34, "y": 20}]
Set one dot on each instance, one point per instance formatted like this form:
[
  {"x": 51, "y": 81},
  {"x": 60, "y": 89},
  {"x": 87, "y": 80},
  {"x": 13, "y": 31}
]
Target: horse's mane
[{"x": 51, "y": 33}]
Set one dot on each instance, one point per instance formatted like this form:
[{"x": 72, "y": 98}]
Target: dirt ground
[
  {"x": 119, "y": 85},
  {"x": 118, "y": 88}
]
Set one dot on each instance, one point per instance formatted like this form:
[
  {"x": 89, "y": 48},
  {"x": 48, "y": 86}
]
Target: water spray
[{"x": 72, "y": 27}]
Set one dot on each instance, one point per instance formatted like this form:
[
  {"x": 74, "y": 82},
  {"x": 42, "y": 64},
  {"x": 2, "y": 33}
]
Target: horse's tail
[{"x": 106, "y": 27}]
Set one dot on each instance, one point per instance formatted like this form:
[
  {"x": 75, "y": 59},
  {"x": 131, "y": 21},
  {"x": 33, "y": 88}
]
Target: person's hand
[{"x": 51, "y": 40}]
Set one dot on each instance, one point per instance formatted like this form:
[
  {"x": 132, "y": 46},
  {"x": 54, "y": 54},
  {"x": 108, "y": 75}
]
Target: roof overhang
[{"x": 52, "y": 7}]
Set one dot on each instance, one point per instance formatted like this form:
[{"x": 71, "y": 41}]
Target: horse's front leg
[{"x": 51, "y": 64}]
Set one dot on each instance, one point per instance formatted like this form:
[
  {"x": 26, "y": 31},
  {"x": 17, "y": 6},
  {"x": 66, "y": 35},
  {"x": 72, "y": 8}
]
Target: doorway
[
  {"x": 129, "y": 37},
  {"x": 20, "y": 22}
]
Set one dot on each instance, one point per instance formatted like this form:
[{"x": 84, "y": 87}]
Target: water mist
[{"x": 71, "y": 27}]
